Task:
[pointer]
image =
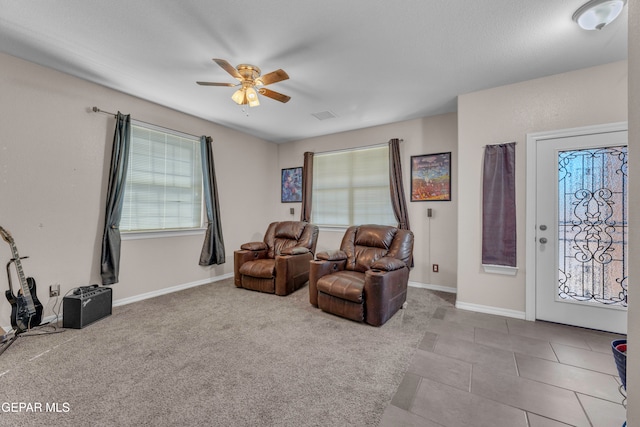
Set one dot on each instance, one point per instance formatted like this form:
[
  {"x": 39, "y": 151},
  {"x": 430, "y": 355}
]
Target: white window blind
[
  {"x": 164, "y": 181},
  {"x": 352, "y": 187}
]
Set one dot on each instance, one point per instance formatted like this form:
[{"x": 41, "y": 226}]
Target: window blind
[
  {"x": 352, "y": 187},
  {"x": 163, "y": 190}
]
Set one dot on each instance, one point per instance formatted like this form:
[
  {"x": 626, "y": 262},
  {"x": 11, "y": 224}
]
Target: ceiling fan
[{"x": 249, "y": 77}]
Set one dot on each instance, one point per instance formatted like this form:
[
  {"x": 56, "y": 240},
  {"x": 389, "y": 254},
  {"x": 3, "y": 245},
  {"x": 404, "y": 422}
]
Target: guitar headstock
[{"x": 6, "y": 236}]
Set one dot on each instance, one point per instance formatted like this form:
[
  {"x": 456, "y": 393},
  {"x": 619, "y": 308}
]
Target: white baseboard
[
  {"x": 434, "y": 287},
  {"x": 169, "y": 290},
  {"x": 142, "y": 297},
  {"x": 490, "y": 310}
]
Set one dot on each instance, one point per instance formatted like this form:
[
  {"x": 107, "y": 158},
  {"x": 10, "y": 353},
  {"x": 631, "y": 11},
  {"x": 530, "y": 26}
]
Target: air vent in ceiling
[{"x": 324, "y": 115}]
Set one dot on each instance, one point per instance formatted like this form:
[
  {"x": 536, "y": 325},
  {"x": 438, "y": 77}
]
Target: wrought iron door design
[{"x": 592, "y": 226}]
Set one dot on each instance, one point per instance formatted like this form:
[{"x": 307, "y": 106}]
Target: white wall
[
  {"x": 579, "y": 98},
  {"x": 54, "y": 161},
  {"x": 435, "y": 238},
  {"x": 633, "y": 367}
]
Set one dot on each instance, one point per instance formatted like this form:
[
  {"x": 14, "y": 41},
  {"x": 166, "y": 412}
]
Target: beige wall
[
  {"x": 580, "y": 98},
  {"x": 435, "y": 238},
  {"x": 633, "y": 368},
  {"x": 54, "y": 160}
]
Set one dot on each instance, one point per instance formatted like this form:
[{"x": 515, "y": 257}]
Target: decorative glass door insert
[{"x": 592, "y": 226}]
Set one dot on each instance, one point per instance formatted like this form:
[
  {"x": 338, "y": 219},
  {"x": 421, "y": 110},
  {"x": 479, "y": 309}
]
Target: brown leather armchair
[
  {"x": 280, "y": 263},
  {"x": 366, "y": 280}
]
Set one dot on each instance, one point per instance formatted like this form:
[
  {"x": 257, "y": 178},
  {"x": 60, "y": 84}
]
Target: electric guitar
[{"x": 26, "y": 310}]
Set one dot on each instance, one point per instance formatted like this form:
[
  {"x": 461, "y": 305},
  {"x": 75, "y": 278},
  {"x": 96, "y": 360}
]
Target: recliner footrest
[
  {"x": 263, "y": 268},
  {"x": 341, "y": 307}
]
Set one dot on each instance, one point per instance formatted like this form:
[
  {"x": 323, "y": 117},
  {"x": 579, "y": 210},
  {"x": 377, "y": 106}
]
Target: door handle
[{"x": 543, "y": 240}]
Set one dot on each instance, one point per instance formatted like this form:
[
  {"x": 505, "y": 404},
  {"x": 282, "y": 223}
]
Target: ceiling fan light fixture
[
  {"x": 249, "y": 77},
  {"x": 252, "y": 97},
  {"x": 596, "y": 14},
  {"x": 239, "y": 97}
]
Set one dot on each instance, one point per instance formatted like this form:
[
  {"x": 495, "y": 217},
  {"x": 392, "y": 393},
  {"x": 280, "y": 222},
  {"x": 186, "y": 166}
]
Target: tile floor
[{"x": 473, "y": 369}]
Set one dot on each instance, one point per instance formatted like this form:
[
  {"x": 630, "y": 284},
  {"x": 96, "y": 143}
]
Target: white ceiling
[{"x": 369, "y": 62}]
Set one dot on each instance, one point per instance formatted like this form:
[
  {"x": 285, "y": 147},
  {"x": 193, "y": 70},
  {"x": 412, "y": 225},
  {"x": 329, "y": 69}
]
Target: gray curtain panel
[
  {"x": 110, "y": 259},
  {"x": 499, "y": 205},
  {"x": 213, "y": 246},
  {"x": 307, "y": 185},
  {"x": 398, "y": 201}
]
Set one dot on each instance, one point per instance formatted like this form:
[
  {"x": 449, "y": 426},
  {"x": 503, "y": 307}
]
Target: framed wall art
[
  {"x": 291, "y": 185},
  {"x": 431, "y": 177}
]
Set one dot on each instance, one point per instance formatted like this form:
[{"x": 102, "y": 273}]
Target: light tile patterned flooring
[{"x": 473, "y": 369}]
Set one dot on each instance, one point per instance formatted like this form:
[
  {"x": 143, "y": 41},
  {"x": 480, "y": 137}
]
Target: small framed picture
[
  {"x": 431, "y": 177},
  {"x": 291, "y": 185}
]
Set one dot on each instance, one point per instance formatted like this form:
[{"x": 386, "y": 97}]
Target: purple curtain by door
[
  {"x": 499, "y": 205},
  {"x": 398, "y": 201},
  {"x": 110, "y": 258},
  {"x": 307, "y": 184}
]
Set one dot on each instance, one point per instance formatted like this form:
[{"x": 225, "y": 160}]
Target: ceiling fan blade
[
  {"x": 217, "y": 84},
  {"x": 228, "y": 68},
  {"x": 274, "y": 95},
  {"x": 272, "y": 77}
]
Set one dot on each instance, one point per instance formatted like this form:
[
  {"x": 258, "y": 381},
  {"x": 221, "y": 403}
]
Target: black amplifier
[{"x": 85, "y": 306}]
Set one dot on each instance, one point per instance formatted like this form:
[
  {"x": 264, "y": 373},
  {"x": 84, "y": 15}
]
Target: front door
[{"x": 581, "y": 235}]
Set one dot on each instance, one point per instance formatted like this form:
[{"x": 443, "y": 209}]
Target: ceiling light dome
[{"x": 595, "y": 14}]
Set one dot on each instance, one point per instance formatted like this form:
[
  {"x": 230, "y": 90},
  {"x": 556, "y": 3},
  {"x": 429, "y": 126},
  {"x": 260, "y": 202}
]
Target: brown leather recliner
[
  {"x": 280, "y": 263},
  {"x": 366, "y": 280}
]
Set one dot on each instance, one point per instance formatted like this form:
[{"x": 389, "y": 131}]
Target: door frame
[{"x": 533, "y": 139}]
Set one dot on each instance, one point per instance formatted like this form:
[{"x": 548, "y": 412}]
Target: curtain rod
[
  {"x": 98, "y": 110},
  {"x": 500, "y": 143},
  {"x": 354, "y": 148}
]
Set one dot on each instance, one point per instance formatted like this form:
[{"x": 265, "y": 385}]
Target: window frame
[
  {"x": 167, "y": 232},
  {"x": 350, "y": 202}
]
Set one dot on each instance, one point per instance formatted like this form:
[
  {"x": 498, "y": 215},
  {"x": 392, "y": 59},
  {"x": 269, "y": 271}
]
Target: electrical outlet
[
  {"x": 54, "y": 290},
  {"x": 435, "y": 268}
]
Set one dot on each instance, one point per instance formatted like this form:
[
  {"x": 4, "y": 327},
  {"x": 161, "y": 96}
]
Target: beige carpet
[{"x": 214, "y": 355}]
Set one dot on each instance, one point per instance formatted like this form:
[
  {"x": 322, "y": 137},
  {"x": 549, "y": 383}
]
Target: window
[
  {"x": 163, "y": 190},
  {"x": 352, "y": 187}
]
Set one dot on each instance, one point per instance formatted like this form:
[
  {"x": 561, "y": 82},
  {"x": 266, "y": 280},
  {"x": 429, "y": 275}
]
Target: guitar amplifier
[{"x": 87, "y": 305}]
